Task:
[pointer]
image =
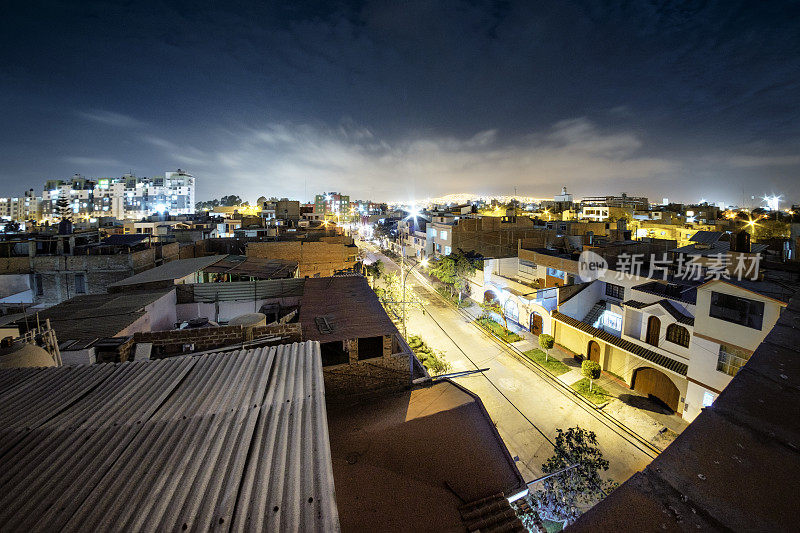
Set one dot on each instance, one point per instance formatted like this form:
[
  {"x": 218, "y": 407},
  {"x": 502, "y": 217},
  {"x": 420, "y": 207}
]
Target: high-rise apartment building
[
  {"x": 124, "y": 197},
  {"x": 332, "y": 203}
]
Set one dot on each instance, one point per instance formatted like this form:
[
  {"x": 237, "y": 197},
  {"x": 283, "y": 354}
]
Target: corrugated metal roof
[
  {"x": 628, "y": 346},
  {"x": 93, "y": 316},
  {"x": 235, "y": 440},
  {"x": 177, "y": 269}
]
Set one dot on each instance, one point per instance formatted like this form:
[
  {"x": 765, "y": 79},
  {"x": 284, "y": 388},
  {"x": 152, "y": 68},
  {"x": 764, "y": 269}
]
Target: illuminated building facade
[{"x": 124, "y": 197}]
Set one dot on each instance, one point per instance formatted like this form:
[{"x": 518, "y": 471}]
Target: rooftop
[
  {"x": 231, "y": 440},
  {"x": 349, "y": 306},
  {"x": 256, "y": 267},
  {"x": 400, "y": 462},
  {"x": 94, "y": 316},
  {"x": 173, "y": 270}
]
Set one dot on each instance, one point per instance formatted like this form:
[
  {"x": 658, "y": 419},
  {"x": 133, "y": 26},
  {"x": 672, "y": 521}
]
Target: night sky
[{"x": 394, "y": 100}]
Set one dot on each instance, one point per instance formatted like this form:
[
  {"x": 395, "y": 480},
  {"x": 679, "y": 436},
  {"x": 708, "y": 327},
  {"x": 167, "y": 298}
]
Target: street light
[{"x": 424, "y": 263}]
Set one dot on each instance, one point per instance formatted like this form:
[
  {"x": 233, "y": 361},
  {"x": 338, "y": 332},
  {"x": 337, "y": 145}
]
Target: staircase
[{"x": 594, "y": 313}]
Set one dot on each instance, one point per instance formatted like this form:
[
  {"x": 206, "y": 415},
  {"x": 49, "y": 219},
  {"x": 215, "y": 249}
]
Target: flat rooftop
[
  {"x": 408, "y": 461},
  {"x": 348, "y": 305},
  {"x": 94, "y": 316}
]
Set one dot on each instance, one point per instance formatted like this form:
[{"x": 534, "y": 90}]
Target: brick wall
[
  {"x": 314, "y": 258},
  {"x": 166, "y": 343},
  {"x": 362, "y": 377}
]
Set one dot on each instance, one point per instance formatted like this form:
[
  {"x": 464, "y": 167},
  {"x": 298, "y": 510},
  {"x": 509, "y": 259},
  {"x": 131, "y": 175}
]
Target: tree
[
  {"x": 64, "y": 211},
  {"x": 546, "y": 343},
  {"x": 376, "y": 269},
  {"x": 563, "y": 495},
  {"x": 11, "y": 227},
  {"x": 590, "y": 370},
  {"x": 493, "y": 306},
  {"x": 454, "y": 270}
]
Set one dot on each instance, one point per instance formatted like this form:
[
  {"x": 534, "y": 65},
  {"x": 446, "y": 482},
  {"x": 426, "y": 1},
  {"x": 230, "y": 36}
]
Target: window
[
  {"x": 615, "y": 291},
  {"x": 443, "y": 234},
  {"x": 678, "y": 335},
  {"x": 708, "y": 399},
  {"x": 731, "y": 359},
  {"x": 447, "y": 250},
  {"x": 742, "y": 311},
  {"x": 39, "y": 283},
  {"x": 612, "y": 320},
  {"x": 554, "y": 272},
  {"x": 80, "y": 283}
]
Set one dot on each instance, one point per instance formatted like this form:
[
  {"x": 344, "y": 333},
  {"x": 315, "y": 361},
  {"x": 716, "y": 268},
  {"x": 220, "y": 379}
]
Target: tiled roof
[
  {"x": 684, "y": 293},
  {"x": 736, "y": 467},
  {"x": 667, "y": 305},
  {"x": 628, "y": 346},
  {"x": 235, "y": 440}
]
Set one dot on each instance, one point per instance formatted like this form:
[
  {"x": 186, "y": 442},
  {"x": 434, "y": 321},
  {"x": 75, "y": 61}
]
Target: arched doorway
[
  {"x": 593, "y": 350},
  {"x": 656, "y": 384},
  {"x": 489, "y": 297},
  {"x": 536, "y": 323},
  {"x": 653, "y": 330}
]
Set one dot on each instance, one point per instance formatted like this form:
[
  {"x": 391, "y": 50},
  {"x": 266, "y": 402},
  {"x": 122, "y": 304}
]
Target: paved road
[{"x": 526, "y": 406}]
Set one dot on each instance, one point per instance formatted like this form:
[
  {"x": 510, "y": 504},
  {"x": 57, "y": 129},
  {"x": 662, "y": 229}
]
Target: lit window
[
  {"x": 442, "y": 234},
  {"x": 708, "y": 399},
  {"x": 731, "y": 359}
]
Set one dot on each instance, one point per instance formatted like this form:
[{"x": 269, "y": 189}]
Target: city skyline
[{"x": 405, "y": 103}]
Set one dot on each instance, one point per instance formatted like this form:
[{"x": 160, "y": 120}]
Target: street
[{"x": 526, "y": 406}]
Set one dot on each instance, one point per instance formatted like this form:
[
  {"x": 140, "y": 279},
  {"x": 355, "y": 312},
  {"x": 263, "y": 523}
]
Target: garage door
[{"x": 652, "y": 382}]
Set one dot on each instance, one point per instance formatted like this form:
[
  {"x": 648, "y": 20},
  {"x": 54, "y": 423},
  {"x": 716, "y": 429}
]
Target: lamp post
[{"x": 424, "y": 262}]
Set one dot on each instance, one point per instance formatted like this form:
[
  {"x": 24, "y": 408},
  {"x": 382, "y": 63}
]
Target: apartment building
[
  {"x": 124, "y": 197},
  {"x": 22, "y": 208},
  {"x": 332, "y": 203}
]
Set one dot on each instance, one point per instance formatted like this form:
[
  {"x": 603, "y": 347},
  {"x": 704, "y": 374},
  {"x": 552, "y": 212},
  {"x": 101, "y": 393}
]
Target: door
[
  {"x": 653, "y": 330},
  {"x": 656, "y": 384},
  {"x": 594, "y": 352},
  {"x": 536, "y": 323}
]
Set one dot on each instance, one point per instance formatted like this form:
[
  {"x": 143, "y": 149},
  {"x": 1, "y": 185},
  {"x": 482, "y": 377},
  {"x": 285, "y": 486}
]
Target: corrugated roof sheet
[
  {"x": 177, "y": 269},
  {"x": 231, "y": 441},
  {"x": 628, "y": 346},
  {"x": 95, "y": 316}
]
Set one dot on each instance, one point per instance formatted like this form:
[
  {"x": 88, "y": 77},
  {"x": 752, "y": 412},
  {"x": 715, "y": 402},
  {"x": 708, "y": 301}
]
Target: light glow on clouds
[{"x": 290, "y": 159}]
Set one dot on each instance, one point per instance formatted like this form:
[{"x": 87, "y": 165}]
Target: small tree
[
  {"x": 590, "y": 370},
  {"x": 546, "y": 343},
  {"x": 11, "y": 227},
  {"x": 563, "y": 495}
]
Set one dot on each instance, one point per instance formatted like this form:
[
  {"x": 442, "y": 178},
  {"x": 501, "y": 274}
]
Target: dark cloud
[{"x": 682, "y": 99}]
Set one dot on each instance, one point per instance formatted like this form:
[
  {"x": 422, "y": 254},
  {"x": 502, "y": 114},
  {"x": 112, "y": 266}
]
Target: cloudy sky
[{"x": 400, "y": 99}]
